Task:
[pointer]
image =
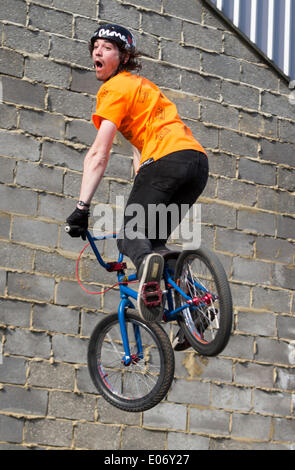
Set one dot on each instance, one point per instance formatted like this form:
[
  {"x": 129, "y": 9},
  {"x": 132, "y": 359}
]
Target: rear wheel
[
  {"x": 207, "y": 321},
  {"x": 145, "y": 380}
]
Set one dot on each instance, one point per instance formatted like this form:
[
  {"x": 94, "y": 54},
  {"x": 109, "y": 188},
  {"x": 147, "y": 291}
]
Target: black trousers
[{"x": 178, "y": 178}]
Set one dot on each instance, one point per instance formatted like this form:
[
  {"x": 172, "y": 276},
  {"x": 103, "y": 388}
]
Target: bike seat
[
  {"x": 168, "y": 254},
  {"x": 170, "y": 257}
]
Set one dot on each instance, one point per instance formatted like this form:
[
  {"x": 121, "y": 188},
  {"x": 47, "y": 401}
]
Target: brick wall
[{"x": 238, "y": 107}]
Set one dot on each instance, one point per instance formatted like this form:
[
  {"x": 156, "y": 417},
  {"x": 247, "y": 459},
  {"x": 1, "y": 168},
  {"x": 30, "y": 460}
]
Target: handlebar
[{"x": 76, "y": 231}]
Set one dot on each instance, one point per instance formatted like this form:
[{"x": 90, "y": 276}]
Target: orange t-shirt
[{"x": 144, "y": 116}]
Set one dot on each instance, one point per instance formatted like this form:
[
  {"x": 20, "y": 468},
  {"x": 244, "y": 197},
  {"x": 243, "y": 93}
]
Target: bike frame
[{"x": 126, "y": 293}]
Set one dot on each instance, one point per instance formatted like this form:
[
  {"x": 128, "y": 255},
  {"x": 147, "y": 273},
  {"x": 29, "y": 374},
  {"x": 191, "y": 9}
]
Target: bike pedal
[{"x": 151, "y": 290}]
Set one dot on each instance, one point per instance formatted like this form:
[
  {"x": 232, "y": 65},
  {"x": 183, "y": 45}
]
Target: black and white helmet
[{"x": 114, "y": 32}]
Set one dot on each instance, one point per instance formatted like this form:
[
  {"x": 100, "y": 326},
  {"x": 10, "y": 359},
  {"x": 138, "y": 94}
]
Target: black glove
[{"x": 78, "y": 223}]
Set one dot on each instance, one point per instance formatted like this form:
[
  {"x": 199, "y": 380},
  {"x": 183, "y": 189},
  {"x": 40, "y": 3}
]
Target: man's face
[{"x": 106, "y": 59}]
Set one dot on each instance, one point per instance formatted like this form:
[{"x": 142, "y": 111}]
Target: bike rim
[
  {"x": 203, "y": 318},
  {"x": 138, "y": 379}
]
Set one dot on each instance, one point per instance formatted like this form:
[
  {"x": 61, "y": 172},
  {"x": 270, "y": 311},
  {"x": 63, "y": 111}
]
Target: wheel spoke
[
  {"x": 139, "y": 377},
  {"x": 206, "y": 320}
]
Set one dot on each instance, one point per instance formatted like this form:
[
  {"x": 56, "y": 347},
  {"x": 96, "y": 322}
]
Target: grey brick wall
[{"x": 238, "y": 107}]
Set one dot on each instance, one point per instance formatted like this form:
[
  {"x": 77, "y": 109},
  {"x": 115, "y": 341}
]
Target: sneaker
[
  {"x": 180, "y": 343},
  {"x": 149, "y": 299}
]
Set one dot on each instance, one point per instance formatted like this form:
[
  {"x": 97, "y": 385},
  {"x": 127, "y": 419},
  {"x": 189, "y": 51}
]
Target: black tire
[
  {"x": 120, "y": 384},
  {"x": 207, "y": 326}
]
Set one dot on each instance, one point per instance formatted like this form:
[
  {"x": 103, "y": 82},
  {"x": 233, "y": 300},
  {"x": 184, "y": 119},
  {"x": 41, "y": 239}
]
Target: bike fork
[{"x": 128, "y": 358}]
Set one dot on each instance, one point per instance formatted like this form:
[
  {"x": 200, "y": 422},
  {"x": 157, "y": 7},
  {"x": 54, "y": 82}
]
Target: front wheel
[
  {"x": 145, "y": 380},
  {"x": 207, "y": 320}
]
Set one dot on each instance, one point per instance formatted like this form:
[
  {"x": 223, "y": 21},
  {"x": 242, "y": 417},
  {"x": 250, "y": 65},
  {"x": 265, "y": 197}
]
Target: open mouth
[{"x": 98, "y": 64}]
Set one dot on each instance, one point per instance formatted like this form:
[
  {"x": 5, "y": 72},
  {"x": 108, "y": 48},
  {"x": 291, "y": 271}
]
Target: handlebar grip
[{"x": 75, "y": 230}]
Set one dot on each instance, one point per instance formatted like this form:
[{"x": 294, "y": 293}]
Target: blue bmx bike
[{"x": 131, "y": 361}]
